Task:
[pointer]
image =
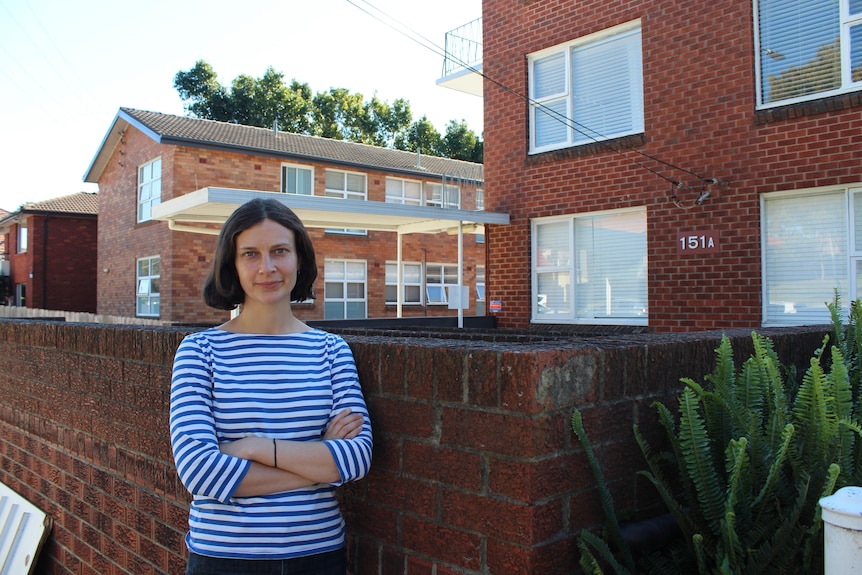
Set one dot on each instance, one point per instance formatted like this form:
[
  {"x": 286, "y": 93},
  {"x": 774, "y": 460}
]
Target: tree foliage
[{"x": 336, "y": 113}]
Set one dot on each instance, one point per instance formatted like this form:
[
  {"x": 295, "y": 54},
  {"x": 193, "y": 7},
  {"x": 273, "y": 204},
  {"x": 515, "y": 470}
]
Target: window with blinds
[
  {"x": 587, "y": 90},
  {"x": 807, "y": 49},
  {"x": 811, "y": 243},
  {"x": 591, "y": 268}
]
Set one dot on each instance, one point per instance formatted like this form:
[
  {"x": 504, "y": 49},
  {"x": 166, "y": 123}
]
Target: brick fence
[{"x": 475, "y": 471}]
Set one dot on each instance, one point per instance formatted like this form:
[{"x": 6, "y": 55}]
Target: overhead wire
[
  {"x": 52, "y": 94},
  {"x": 562, "y": 118}
]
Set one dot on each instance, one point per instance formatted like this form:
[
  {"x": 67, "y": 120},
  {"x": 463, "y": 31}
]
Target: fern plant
[{"x": 749, "y": 455}]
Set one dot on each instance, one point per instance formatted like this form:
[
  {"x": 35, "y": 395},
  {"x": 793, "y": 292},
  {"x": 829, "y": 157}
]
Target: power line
[
  {"x": 52, "y": 94},
  {"x": 562, "y": 118},
  {"x": 61, "y": 54}
]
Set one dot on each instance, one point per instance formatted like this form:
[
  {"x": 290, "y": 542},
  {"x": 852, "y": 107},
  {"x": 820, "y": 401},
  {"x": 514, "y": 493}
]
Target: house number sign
[{"x": 700, "y": 242}]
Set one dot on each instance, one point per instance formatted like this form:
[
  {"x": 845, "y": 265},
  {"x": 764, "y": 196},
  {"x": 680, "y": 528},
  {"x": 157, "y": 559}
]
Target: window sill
[
  {"x": 615, "y": 144},
  {"x": 809, "y": 108}
]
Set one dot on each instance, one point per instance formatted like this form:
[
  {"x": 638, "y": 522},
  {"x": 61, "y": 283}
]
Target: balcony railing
[
  {"x": 463, "y": 48},
  {"x": 462, "y": 62}
]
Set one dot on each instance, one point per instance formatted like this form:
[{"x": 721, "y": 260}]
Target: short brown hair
[{"x": 222, "y": 289}]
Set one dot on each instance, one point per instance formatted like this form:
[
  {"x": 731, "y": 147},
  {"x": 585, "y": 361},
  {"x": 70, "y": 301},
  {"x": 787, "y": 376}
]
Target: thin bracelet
[{"x": 274, "y": 454}]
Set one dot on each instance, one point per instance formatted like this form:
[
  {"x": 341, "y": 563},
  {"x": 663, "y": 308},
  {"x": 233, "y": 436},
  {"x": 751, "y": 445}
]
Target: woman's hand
[
  {"x": 250, "y": 447},
  {"x": 345, "y": 425}
]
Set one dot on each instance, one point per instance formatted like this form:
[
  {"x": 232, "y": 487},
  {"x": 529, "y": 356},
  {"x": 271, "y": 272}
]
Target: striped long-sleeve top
[{"x": 227, "y": 386}]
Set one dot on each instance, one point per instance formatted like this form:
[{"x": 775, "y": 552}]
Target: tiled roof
[
  {"x": 80, "y": 203},
  {"x": 182, "y": 130}
]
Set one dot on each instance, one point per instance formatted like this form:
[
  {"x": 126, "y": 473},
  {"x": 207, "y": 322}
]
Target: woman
[{"x": 267, "y": 415}]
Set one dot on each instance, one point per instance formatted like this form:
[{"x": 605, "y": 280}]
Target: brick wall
[
  {"x": 475, "y": 467},
  {"x": 186, "y": 257},
  {"x": 63, "y": 255},
  {"x": 699, "y": 113}
]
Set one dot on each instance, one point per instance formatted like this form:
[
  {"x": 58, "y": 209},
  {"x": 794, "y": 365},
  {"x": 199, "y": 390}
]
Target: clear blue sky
[{"x": 67, "y": 67}]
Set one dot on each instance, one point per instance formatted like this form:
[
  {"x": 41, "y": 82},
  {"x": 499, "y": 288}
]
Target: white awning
[
  {"x": 198, "y": 211},
  {"x": 194, "y": 212}
]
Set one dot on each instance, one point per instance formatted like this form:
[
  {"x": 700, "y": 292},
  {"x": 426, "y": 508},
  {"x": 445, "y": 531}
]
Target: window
[
  {"x": 411, "y": 283},
  {"x": 149, "y": 189},
  {"x": 480, "y": 290},
  {"x": 439, "y": 279},
  {"x": 590, "y": 268},
  {"x": 349, "y": 186},
  {"x": 587, "y": 90},
  {"x": 147, "y": 281},
  {"x": 403, "y": 191},
  {"x": 480, "y": 283},
  {"x": 22, "y": 238},
  {"x": 297, "y": 180},
  {"x": 447, "y": 196},
  {"x": 344, "y": 289},
  {"x": 346, "y": 185},
  {"x": 811, "y": 245},
  {"x": 807, "y": 49},
  {"x": 21, "y": 295},
  {"x": 480, "y": 199}
]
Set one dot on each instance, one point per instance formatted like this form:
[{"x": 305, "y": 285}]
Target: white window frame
[
  {"x": 562, "y": 104},
  {"x": 149, "y": 188},
  {"x": 348, "y": 275},
  {"x": 22, "y": 239},
  {"x": 397, "y": 191},
  {"x": 297, "y": 170},
  {"x": 480, "y": 284},
  {"x": 147, "y": 301},
  {"x": 573, "y": 270},
  {"x": 775, "y": 58},
  {"x": 442, "y": 195},
  {"x": 437, "y": 293},
  {"x": 810, "y": 308},
  {"x": 343, "y": 192},
  {"x": 412, "y": 278}
]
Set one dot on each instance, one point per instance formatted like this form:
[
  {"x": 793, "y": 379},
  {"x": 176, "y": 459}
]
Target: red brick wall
[
  {"x": 699, "y": 94},
  {"x": 62, "y": 255},
  {"x": 186, "y": 257},
  {"x": 475, "y": 467}
]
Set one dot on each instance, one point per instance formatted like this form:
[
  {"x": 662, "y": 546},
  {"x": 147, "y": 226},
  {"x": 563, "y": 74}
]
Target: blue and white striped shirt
[{"x": 227, "y": 386}]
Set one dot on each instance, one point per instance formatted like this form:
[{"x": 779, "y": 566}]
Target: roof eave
[{"x": 109, "y": 143}]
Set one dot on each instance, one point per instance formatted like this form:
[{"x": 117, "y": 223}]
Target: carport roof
[{"x": 198, "y": 210}]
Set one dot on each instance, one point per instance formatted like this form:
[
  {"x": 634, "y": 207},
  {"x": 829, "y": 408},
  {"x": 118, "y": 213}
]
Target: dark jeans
[{"x": 329, "y": 563}]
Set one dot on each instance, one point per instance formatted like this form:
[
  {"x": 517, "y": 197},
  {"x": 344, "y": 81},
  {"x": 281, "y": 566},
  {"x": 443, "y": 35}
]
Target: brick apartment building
[
  {"x": 154, "y": 254},
  {"x": 50, "y": 254},
  {"x": 677, "y": 165}
]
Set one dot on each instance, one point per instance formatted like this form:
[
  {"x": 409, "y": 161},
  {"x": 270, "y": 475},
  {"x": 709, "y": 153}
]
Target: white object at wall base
[
  {"x": 842, "y": 531},
  {"x": 23, "y": 530}
]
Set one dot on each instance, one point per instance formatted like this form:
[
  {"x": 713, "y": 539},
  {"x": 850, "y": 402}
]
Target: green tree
[
  {"x": 204, "y": 97},
  {"x": 422, "y": 137},
  {"x": 337, "y": 113},
  {"x": 461, "y": 143}
]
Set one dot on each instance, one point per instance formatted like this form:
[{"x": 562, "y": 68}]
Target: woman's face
[{"x": 266, "y": 263}]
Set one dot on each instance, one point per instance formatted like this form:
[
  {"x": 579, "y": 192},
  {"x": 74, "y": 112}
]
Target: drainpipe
[{"x": 842, "y": 531}]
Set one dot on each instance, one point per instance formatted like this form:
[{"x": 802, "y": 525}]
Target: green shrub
[{"x": 750, "y": 454}]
